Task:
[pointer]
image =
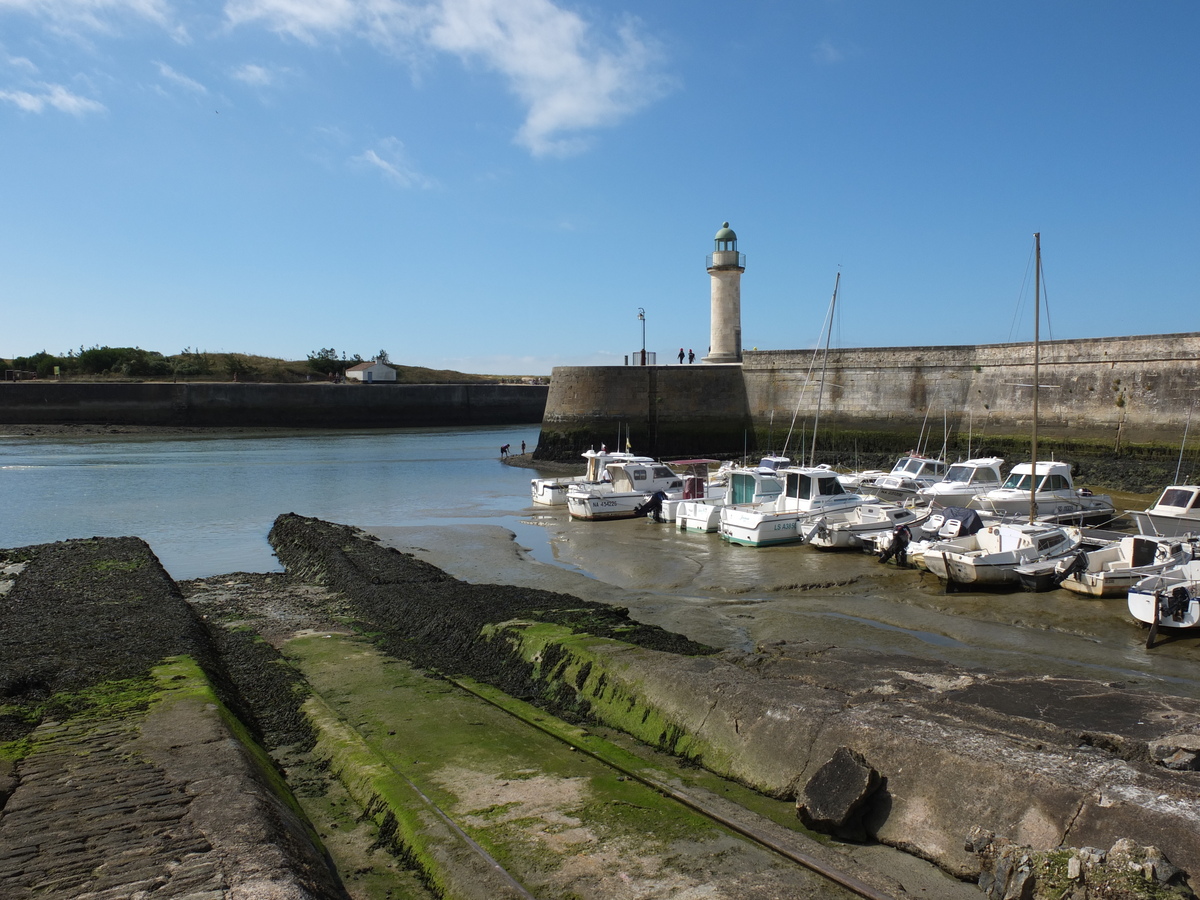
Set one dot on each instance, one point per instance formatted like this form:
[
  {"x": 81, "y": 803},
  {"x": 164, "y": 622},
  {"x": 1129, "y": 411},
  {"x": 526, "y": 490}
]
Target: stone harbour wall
[
  {"x": 1107, "y": 391},
  {"x": 233, "y": 405},
  {"x": 1132, "y": 389}
]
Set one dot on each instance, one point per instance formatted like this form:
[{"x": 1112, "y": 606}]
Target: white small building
[{"x": 371, "y": 372}]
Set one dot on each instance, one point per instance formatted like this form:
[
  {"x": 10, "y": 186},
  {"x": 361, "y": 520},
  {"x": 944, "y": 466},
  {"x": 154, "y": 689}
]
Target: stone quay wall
[
  {"x": 1107, "y": 391},
  {"x": 1129, "y": 389},
  {"x": 663, "y": 410},
  {"x": 230, "y": 405}
]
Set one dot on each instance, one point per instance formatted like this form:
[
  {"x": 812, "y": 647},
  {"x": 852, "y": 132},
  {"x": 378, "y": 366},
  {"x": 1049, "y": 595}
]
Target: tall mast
[
  {"x": 1037, "y": 319},
  {"x": 812, "y": 455}
]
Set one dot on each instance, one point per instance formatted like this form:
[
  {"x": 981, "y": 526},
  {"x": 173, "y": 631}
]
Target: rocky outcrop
[{"x": 1126, "y": 871}]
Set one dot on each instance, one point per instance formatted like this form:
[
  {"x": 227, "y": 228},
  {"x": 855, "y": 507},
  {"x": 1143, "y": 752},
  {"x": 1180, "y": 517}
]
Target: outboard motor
[{"x": 652, "y": 507}]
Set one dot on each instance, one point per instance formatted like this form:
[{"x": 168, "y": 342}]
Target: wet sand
[{"x": 736, "y": 597}]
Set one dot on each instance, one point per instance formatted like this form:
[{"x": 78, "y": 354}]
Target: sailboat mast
[
  {"x": 812, "y": 455},
  {"x": 1037, "y": 321}
]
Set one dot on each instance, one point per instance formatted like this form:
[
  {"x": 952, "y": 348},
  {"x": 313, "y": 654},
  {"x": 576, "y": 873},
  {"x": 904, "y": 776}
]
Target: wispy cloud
[
  {"x": 20, "y": 62},
  {"x": 52, "y": 96},
  {"x": 389, "y": 158},
  {"x": 571, "y": 77},
  {"x": 182, "y": 80},
  {"x": 104, "y": 16},
  {"x": 826, "y": 53},
  {"x": 255, "y": 76}
]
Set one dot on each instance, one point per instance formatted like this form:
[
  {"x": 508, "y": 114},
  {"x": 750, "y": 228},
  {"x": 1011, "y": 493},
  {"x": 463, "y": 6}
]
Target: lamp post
[{"x": 642, "y": 316}]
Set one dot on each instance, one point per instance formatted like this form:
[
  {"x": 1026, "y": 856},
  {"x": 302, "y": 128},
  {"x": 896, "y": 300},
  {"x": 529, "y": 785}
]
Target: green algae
[{"x": 412, "y": 731}]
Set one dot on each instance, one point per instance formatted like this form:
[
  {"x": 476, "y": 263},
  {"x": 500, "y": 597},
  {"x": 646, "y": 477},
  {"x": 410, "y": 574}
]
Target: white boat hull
[
  {"x": 854, "y": 528},
  {"x": 1141, "y": 607},
  {"x": 593, "y": 508},
  {"x": 698, "y": 516},
  {"x": 754, "y": 528},
  {"x": 1148, "y": 522},
  {"x": 551, "y": 491},
  {"x": 998, "y": 550}
]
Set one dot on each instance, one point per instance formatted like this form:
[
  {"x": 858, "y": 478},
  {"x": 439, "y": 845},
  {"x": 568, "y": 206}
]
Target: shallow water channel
[{"x": 205, "y": 503}]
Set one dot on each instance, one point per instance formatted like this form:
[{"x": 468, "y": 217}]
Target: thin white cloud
[
  {"x": 255, "y": 76},
  {"x": 52, "y": 96},
  {"x": 21, "y": 62},
  {"x": 827, "y": 54},
  {"x": 389, "y": 158},
  {"x": 570, "y": 77},
  {"x": 95, "y": 15},
  {"x": 182, "y": 80}
]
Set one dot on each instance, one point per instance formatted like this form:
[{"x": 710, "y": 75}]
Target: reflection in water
[{"x": 205, "y": 505}]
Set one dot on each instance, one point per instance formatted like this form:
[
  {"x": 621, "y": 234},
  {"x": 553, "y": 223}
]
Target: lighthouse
[{"x": 725, "y": 268}]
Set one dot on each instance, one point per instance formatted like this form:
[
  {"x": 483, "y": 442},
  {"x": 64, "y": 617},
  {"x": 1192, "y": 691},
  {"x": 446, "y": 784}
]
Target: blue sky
[{"x": 498, "y": 185}]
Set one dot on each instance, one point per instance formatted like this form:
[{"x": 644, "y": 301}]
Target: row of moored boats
[{"x": 964, "y": 522}]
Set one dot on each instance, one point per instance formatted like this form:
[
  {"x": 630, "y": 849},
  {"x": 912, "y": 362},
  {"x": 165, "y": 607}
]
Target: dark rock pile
[{"x": 437, "y": 622}]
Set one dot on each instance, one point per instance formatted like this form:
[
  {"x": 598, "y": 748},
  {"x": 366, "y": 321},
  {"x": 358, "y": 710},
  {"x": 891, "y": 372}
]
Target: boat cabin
[
  {"x": 919, "y": 467},
  {"x": 1052, "y": 476},
  {"x": 1177, "y": 499},
  {"x": 695, "y": 476},
  {"x": 815, "y": 487},
  {"x": 975, "y": 472},
  {"x": 643, "y": 477}
]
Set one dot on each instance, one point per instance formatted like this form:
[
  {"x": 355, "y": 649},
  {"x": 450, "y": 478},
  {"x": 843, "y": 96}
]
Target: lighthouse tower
[{"x": 725, "y": 266}]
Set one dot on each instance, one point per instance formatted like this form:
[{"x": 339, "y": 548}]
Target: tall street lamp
[{"x": 642, "y": 316}]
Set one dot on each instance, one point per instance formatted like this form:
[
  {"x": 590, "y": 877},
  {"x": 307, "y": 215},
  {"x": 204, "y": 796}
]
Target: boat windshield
[
  {"x": 830, "y": 486},
  {"x": 1179, "y": 497},
  {"x": 1018, "y": 481},
  {"x": 959, "y": 473}
]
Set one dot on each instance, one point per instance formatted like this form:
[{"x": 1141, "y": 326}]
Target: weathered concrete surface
[
  {"x": 123, "y": 772},
  {"x": 1040, "y": 761},
  {"x": 233, "y": 405},
  {"x": 1112, "y": 391}
]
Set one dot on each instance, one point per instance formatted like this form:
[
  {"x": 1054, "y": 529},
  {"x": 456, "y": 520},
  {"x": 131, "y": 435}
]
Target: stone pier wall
[
  {"x": 1132, "y": 389},
  {"x": 227, "y": 405},
  {"x": 664, "y": 410},
  {"x": 1105, "y": 391}
]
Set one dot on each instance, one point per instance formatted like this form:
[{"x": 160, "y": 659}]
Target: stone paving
[{"x": 89, "y": 819}]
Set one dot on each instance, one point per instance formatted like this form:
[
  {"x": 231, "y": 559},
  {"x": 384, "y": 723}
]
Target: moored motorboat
[
  {"x": 808, "y": 493},
  {"x": 853, "y": 527},
  {"x": 697, "y": 487},
  {"x": 1116, "y": 567},
  {"x": 990, "y": 556},
  {"x": 908, "y": 476},
  {"x": 951, "y": 526},
  {"x": 1168, "y": 599},
  {"x": 553, "y": 491},
  {"x": 1046, "y": 491},
  {"x": 744, "y": 485},
  {"x": 1176, "y": 512},
  {"x": 632, "y": 483},
  {"x": 963, "y": 481}
]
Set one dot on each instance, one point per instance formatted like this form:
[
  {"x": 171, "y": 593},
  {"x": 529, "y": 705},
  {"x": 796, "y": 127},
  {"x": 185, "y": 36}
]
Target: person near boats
[{"x": 901, "y": 536}]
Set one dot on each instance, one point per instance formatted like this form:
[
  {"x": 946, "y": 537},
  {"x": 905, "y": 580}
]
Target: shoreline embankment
[{"x": 299, "y": 406}]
